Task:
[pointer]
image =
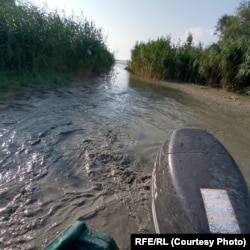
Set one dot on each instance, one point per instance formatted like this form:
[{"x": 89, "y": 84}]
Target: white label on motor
[{"x": 219, "y": 210}]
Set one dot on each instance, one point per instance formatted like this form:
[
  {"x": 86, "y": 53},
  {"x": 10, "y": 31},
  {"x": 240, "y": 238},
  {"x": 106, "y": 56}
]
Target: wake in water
[{"x": 87, "y": 151}]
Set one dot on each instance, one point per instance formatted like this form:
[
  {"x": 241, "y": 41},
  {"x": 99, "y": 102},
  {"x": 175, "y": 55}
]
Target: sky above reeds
[{"x": 127, "y": 21}]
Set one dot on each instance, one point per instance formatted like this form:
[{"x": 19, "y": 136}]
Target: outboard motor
[{"x": 197, "y": 187}]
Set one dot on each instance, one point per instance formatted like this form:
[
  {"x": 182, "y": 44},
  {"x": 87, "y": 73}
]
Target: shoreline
[{"x": 215, "y": 97}]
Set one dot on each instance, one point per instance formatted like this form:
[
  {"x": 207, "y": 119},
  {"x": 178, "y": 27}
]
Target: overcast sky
[{"x": 128, "y": 21}]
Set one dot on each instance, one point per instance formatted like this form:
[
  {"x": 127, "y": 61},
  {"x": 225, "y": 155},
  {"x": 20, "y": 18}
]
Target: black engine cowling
[{"x": 197, "y": 187}]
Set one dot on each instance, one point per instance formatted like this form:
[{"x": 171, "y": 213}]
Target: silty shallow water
[{"x": 87, "y": 151}]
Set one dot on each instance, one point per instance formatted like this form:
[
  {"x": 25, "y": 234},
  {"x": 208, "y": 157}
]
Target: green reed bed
[
  {"x": 33, "y": 40},
  {"x": 223, "y": 64},
  {"x": 16, "y": 80}
]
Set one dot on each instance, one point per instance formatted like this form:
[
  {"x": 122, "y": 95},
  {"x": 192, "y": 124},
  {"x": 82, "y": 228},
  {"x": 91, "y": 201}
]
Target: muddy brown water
[{"x": 87, "y": 151}]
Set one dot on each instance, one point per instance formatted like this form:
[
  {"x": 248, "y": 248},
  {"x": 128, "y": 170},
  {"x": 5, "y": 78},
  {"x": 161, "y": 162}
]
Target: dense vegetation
[
  {"x": 33, "y": 40},
  {"x": 223, "y": 64}
]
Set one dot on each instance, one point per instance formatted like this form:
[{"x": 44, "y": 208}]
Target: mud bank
[{"x": 218, "y": 98}]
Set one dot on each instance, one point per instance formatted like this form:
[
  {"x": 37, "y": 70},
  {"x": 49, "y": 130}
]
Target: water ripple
[{"x": 87, "y": 151}]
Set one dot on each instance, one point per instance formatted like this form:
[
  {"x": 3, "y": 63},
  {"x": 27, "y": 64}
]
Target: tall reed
[
  {"x": 161, "y": 59},
  {"x": 223, "y": 64},
  {"x": 32, "y": 39}
]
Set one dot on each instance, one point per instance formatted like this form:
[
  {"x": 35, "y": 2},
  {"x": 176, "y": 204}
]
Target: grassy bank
[
  {"x": 15, "y": 80},
  {"x": 33, "y": 40},
  {"x": 224, "y": 64}
]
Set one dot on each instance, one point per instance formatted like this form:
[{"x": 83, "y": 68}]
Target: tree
[
  {"x": 227, "y": 27},
  {"x": 243, "y": 13},
  {"x": 235, "y": 26}
]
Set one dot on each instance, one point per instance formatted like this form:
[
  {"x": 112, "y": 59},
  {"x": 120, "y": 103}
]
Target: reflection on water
[{"x": 87, "y": 151}]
